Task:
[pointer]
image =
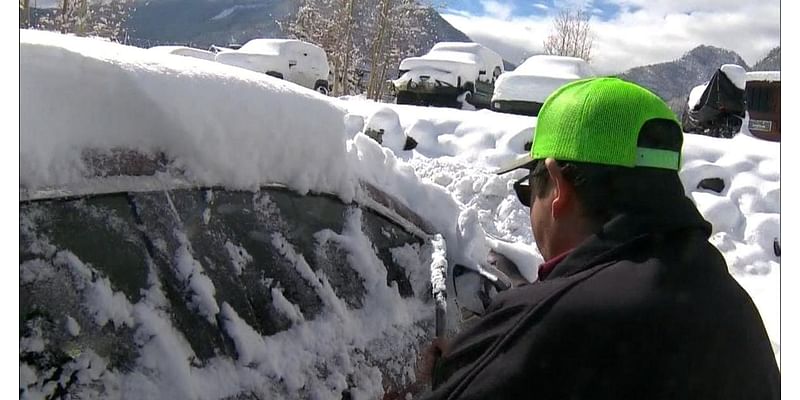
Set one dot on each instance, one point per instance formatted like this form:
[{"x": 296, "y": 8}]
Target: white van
[{"x": 293, "y": 60}]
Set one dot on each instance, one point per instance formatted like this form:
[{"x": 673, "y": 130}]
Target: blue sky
[
  {"x": 600, "y": 9},
  {"x": 626, "y": 33}
]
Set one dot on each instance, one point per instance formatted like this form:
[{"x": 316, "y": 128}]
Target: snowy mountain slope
[
  {"x": 673, "y": 80},
  {"x": 202, "y": 23}
]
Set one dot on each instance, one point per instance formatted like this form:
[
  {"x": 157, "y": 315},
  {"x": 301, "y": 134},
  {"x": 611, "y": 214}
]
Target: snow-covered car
[
  {"x": 294, "y": 60},
  {"x": 524, "y": 90},
  {"x": 717, "y": 107},
  {"x": 185, "y": 51},
  {"x": 450, "y": 73},
  {"x": 173, "y": 245}
]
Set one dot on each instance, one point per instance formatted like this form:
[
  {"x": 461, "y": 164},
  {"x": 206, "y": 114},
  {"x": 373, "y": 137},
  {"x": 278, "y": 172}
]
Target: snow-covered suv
[
  {"x": 524, "y": 90},
  {"x": 449, "y": 73},
  {"x": 294, "y": 60}
]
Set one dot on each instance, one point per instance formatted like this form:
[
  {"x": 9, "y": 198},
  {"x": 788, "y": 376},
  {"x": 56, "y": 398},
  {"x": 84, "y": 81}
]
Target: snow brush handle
[{"x": 438, "y": 283}]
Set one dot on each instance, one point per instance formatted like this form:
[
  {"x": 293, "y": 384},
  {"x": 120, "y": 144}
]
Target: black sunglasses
[{"x": 523, "y": 189}]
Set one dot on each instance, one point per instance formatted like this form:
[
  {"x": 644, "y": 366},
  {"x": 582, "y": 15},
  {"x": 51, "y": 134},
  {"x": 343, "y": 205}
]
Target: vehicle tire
[{"x": 322, "y": 88}]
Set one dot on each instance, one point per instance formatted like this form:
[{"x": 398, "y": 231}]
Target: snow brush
[{"x": 438, "y": 283}]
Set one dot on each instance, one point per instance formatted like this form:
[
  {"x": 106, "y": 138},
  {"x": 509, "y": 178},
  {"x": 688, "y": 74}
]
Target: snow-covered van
[
  {"x": 524, "y": 90},
  {"x": 449, "y": 73},
  {"x": 294, "y": 60},
  {"x": 185, "y": 51},
  {"x": 763, "y": 98}
]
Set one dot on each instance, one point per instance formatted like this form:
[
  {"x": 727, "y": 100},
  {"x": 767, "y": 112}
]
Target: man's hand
[{"x": 428, "y": 358}]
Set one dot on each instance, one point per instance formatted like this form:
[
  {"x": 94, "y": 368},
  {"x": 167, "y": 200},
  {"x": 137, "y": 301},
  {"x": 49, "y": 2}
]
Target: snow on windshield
[{"x": 226, "y": 126}]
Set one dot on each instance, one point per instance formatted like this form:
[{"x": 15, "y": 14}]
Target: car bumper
[{"x": 530, "y": 108}]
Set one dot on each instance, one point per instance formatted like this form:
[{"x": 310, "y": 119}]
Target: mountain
[
  {"x": 201, "y": 23},
  {"x": 673, "y": 80},
  {"x": 772, "y": 61}
]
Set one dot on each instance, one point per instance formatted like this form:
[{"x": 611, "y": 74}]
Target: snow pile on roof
[
  {"x": 695, "y": 95},
  {"x": 556, "y": 67},
  {"x": 735, "y": 73},
  {"x": 266, "y": 46},
  {"x": 218, "y": 123},
  {"x": 185, "y": 51},
  {"x": 767, "y": 76},
  {"x": 539, "y": 76}
]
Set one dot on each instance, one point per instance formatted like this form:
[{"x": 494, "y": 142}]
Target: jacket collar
[{"x": 627, "y": 228}]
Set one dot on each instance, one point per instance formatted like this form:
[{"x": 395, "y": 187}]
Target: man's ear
[{"x": 563, "y": 191}]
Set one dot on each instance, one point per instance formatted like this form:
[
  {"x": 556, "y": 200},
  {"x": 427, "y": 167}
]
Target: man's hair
[{"x": 605, "y": 191}]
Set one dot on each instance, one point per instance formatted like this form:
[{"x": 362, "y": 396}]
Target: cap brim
[{"x": 522, "y": 162}]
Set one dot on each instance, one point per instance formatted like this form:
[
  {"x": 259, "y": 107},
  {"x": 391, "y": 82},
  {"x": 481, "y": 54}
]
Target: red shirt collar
[{"x": 547, "y": 267}]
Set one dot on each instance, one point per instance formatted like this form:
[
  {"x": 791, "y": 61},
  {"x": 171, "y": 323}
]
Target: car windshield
[{"x": 201, "y": 266}]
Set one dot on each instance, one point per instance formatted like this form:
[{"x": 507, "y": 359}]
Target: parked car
[
  {"x": 763, "y": 98},
  {"x": 524, "y": 90},
  {"x": 185, "y": 51},
  {"x": 449, "y": 73},
  {"x": 717, "y": 107},
  {"x": 296, "y": 61}
]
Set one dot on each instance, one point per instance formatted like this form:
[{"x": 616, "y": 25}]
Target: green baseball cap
[{"x": 598, "y": 121}]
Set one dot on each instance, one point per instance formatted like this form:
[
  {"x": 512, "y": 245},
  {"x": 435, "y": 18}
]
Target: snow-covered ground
[{"x": 236, "y": 128}]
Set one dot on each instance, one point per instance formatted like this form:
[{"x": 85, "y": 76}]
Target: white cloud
[
  {"x": 652, "y": 34},
  {"x": 514, "y": 40},
  {"x": 541, "y": 6},
  {"x": 497, "y": 10}
]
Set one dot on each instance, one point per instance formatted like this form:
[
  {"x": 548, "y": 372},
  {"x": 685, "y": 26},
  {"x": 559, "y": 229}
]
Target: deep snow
[{"x": 221, "y": 125}]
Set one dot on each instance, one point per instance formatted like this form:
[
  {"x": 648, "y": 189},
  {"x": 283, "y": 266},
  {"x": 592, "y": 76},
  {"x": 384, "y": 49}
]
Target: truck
[{"x": 450, "y": 74}]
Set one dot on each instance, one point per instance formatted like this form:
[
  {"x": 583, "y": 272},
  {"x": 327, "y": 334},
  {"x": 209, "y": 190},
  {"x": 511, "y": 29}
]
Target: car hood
[{"x": 524, "y": 87}]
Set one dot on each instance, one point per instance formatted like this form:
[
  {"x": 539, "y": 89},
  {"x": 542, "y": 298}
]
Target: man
[{"x": 632, "y": 301}]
